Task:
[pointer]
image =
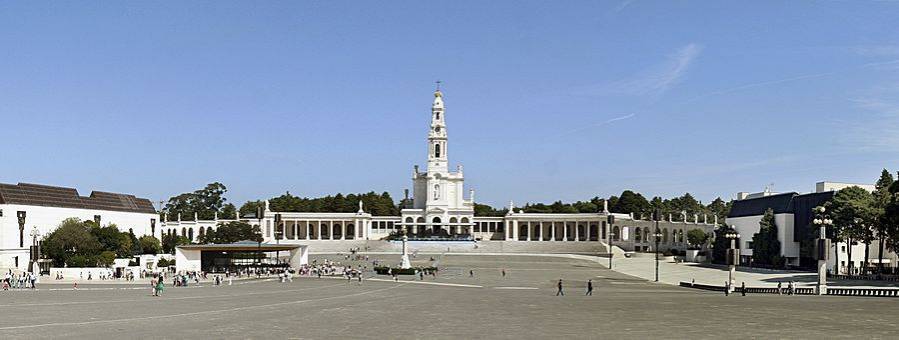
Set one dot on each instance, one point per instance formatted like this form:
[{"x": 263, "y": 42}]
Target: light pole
[
  {"x": 611, "y": 237},
  {"x": 658, "y": 237},
  {"x": 733, "y": 256},
  {"x": 279, "y": 230},
  {"x": 35, "y": 252},
  {"x": 657, "y": 216},
  {"x": 822, "y": 244}
]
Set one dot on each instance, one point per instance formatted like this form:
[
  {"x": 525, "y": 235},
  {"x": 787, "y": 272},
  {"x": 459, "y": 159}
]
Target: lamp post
[
  {"x": 733, "y": 256},
  {"x": 658, "y": 237},
  {"x": 279, "y": 232},
  {"x": 822, "y": 244},
  {"x": 35, "y": 252},
  {"x": 611, "y": 237},
  {"x": 657, "y": 215}
]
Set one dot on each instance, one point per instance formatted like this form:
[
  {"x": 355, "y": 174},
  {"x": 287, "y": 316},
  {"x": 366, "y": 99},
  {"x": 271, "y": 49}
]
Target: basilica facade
[{"x": 440, "y": 211}]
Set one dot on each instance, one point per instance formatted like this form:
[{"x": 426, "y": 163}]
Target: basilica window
[
  {"x": 438, "y": 117},
  {"x": 437, "y": 150}
]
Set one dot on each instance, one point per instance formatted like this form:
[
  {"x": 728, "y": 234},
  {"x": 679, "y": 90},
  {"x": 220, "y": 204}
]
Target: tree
[
  {"x": 486, "y": 210},
  {"x": 149, "y": 245},
  {"x": 720, "y": 244},
  {"x": 765, "y": 244},
  {"x": 231, "y": 232},
  {"x": 205, "y": 203},
  {"x": 891, "y": 216},
  {"x": 170, "y": 242},
  {"x": 719, "y": 208},
  {"x": 106, "y": 258},
  {"x": 251, "y": 207},
  {"x": 631, "y": 202},
  {"x": 71, "y": 244},
  {"x": 697, "y": 238},
  {"x": 881, "y": 197},
  {"x": 853, "y": 212}
]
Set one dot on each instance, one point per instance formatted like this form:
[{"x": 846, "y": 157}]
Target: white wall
[{"x": 47, "y": 219}]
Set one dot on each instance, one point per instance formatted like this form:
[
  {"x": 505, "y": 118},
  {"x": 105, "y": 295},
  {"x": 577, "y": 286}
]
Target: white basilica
[
  {"x": 440, "y": 212},
  {"x": 438, "y": 205}
]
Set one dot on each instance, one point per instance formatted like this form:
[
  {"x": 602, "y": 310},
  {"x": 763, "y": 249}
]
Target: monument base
[{"x": 406, "y": 263}]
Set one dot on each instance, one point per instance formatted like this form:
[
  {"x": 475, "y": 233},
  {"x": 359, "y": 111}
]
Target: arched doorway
[
  {"x": 338, "y": 230},
  {"x": 350, "y": 231},
  {"x": 436, "y": 227}
]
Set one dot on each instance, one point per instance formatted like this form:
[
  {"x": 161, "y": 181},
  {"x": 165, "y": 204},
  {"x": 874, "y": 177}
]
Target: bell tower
[{"x": 437, "y": 142}]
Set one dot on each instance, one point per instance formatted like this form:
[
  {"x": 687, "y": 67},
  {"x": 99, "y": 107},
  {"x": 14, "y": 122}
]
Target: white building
[
  {"x": 26, "y": 208},
  {"x": 439, "y": 209},
  {"x": 793, "y": 216}
]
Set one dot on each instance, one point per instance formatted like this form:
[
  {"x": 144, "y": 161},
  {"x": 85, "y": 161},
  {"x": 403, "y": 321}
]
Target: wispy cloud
[
  {"x": 757, "y": 84},
  {"x": 878, "y": 50},
  {"x": 623, "y": 5},
  {"x": 656, "y": 80},
  {"x": 602, "y": 123},
  {"x": 879, "y": 129},
  {"x": 748, "y": 86}
]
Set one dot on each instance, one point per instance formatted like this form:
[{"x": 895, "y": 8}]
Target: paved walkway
[{"x": 674, "y": 273}]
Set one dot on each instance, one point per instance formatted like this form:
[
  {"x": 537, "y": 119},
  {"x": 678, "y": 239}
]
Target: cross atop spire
[{"x": 438, "y": 84}]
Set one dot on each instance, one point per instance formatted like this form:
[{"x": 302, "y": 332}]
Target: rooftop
[{"x": 62, "y": 197}]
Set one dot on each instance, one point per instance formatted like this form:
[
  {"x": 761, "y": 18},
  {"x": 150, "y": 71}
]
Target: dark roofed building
[
  {"x": 780, "y": 203},
  {"x": 33, "y": 209},
  {"x": 61, "y": 197}
]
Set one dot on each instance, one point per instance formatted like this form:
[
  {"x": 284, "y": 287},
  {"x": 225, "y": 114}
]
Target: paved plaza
[
  {"x": 643, "y": 266},
  {"x": 453, "y": 305}
]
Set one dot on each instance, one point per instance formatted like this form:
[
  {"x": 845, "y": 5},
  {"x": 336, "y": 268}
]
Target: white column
[
  {"x": 565, "y": 231},
  {"x": 515, "y": 230},
  {"x": 576, "y": 228},
  {"x": 552, "y": 230}
]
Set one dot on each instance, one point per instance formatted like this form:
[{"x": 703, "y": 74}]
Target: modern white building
[
  {"x": 793, "y": 216},
  {"x": 30, "y": 211},
  {"x": 440, "y": 210}
]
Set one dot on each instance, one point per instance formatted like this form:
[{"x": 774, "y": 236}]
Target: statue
[{"x": 406, "y": 264}]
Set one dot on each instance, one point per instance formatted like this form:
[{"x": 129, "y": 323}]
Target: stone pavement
[{"x": 521, "y": 305}]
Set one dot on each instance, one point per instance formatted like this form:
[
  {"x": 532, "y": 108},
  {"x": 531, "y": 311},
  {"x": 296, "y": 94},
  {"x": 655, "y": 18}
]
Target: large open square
[{"x": 454, "y": 305}]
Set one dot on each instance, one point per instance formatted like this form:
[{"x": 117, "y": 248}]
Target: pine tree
[{"x": 765, "y": 245}]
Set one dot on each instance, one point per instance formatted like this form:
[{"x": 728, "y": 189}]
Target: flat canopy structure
[
  {"x": 241, "y": 246},
  {"x": 207, "y": 257}
]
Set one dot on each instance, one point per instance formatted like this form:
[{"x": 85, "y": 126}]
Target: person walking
[
  {"x": 470, "y": 273},
  {"x": 726, "y": 288},
  {"x": 589, "y": 287},
  {"x": 504, "y": 272},
  {"x": 159, "y": 287},
  {"x": 560, "y": 292},
  {"x": 790, "y": 288},
  {"x": 743, "y": 289},
  {"x": 779, "y": 288}
]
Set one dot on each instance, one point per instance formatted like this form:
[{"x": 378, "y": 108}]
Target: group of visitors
[
  {"x": 790, "y": 290},
  {"x": 561, "y": 292},
  {"x": 23, "y": 280}
]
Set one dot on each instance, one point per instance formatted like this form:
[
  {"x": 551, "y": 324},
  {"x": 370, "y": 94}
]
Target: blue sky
[{"x": 545, "y": 100}]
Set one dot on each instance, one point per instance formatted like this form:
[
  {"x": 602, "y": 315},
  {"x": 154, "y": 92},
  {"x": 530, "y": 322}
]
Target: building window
[{"x": 437, "y": 150}]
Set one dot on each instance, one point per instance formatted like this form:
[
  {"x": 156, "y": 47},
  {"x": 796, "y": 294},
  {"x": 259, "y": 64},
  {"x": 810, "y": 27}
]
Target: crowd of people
[{"x": 17, "y": 280}]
